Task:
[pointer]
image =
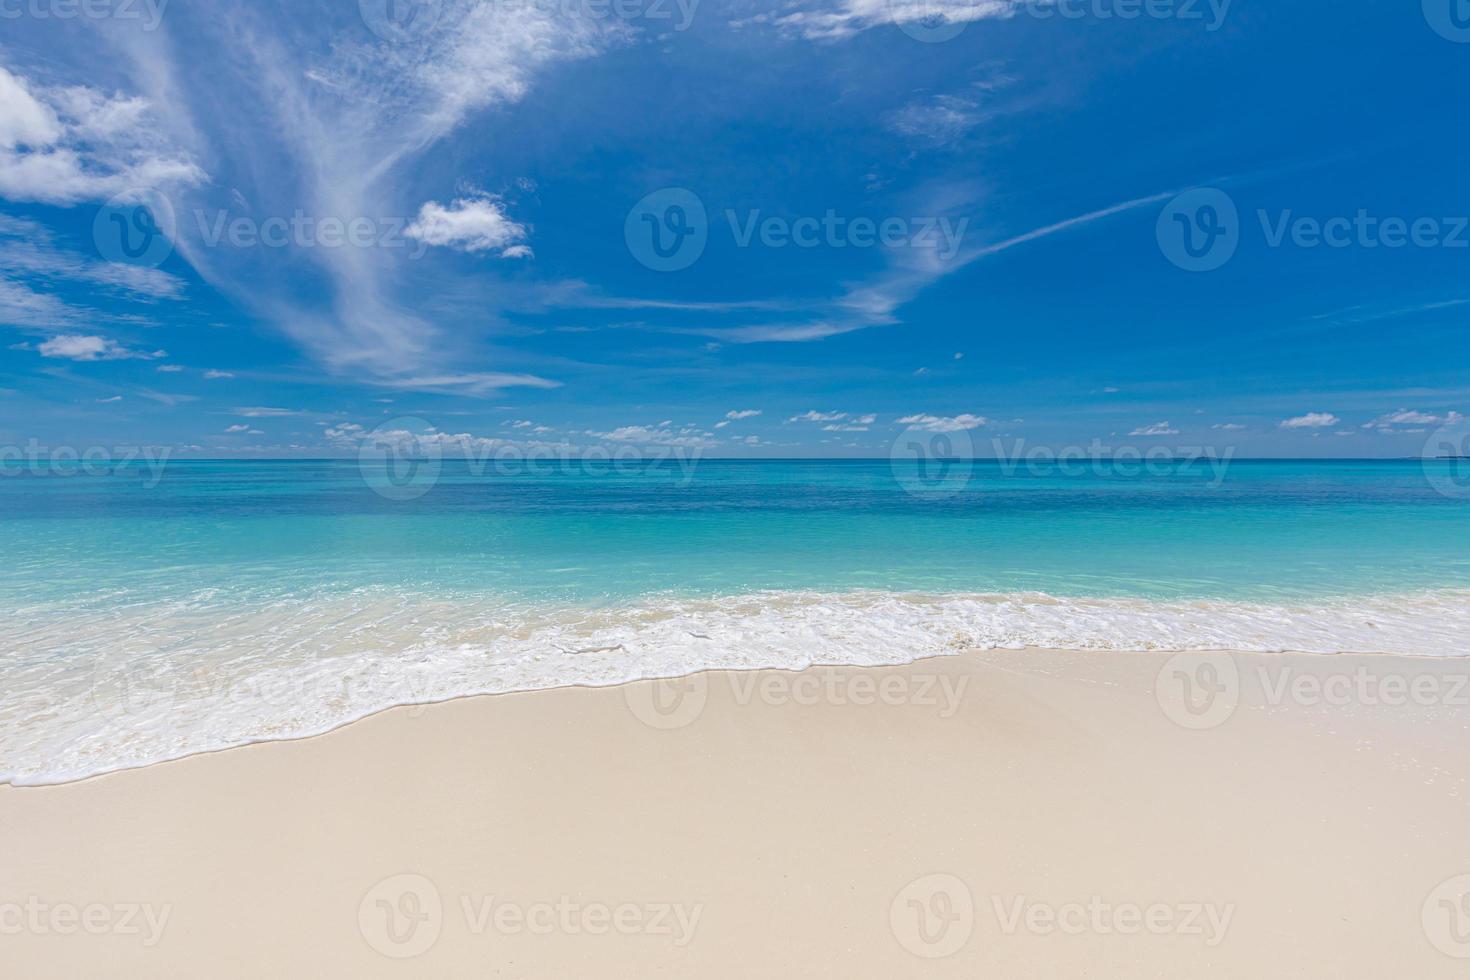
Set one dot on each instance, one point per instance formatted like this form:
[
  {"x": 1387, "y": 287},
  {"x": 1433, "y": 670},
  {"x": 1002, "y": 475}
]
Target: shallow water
[{"x": 217, "y": 603}]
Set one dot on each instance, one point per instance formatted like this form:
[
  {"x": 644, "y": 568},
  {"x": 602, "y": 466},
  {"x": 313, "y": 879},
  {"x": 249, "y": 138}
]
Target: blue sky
[{"x": 958, "y": 215}]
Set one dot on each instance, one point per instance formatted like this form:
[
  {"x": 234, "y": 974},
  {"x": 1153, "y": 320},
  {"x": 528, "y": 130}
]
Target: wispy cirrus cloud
[
  {"x": 1412, "y": 421},
  {"x": 909, "y": 271},
  {"x": 325, "y": 125},
  {"x": 845, "y": 18}
]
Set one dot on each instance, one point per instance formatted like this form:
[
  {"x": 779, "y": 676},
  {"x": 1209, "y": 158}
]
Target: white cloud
[
  {"x": 470, "y": 224},
  {"x": 24, "y": 119},
  {"x": 744, "y": 413},
  {"x": 63, "y": 146},
  {"x": 244, "y": 429},
  {"x": 1228, "y": 426},
  {"x": 214, "y": 375},
  {"x": 110, "y": 401},
  {"x": 937, "y": 121},
  {"x": 84, "y": 347},
  {"x": 1406, "y": 420},
  {"x": 656, "y": 436},
  {"x": 943, "y": 423},
  {"x": 818, "y": 417},
  {"x": 340, "y": 123},
  {"x": 1157, "y": 429},
  {"x": 1311, "y": 420},
  {"x": 170, "y": 368}
]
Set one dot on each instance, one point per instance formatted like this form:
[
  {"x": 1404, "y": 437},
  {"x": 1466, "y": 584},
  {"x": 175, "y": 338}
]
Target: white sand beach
[{"x": 999, "y": 814}]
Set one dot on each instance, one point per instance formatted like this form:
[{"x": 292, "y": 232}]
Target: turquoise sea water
[
  {"x": 593, "y": 533},
  {"x": 197, "y": 581}
]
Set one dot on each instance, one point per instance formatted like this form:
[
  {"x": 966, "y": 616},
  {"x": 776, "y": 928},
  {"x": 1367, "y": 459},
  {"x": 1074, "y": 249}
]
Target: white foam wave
[{"x": 86, "y": 691}]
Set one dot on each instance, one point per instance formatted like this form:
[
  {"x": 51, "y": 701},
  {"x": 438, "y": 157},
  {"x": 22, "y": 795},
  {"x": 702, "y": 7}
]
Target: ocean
[{"x": 159, "y": 611}]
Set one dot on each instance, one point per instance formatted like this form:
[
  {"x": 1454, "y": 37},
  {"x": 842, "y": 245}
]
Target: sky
[{"x": 257, "y": 228}]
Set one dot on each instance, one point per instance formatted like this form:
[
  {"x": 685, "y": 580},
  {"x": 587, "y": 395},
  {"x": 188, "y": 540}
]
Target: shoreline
[
  {"x": 419, "y": 706},
  {"x": 1036, "y": 805},
  {"x": 101, "y": 693}
]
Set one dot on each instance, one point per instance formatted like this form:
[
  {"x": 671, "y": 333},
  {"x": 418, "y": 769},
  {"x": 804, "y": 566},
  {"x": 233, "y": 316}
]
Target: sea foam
[{"x": 91, "y": 689}]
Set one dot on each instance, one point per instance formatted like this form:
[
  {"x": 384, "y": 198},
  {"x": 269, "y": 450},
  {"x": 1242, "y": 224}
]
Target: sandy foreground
[{"x": 1003, "y": 814}]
